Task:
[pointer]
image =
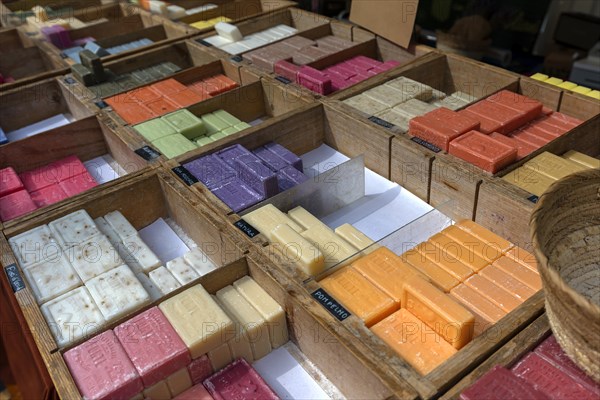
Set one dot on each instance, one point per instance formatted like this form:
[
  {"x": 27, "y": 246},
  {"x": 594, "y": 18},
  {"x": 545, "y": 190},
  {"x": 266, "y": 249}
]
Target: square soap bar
[
  {"x": 174, "y": 145},
  {"x": 483, "y": 151},
  {"x": 9, "y": 181},
  {"x": 78, "y": 184},
  {"x": 154, "y": 129},
  {"x": 74, "y": 228},
  {"x": 185, "y": 123},
  {"x": 48, "y": 195},
  {"x": 239, "y": 380},
  {"x": 93, "y": 257},
  {"x": 15, "y": 205},
  {"x": 164, "y": 280},
  {"x": 439, "y": 127},
  {"x": 51, "y": 278},
  {"x": 35, "y": 246}
]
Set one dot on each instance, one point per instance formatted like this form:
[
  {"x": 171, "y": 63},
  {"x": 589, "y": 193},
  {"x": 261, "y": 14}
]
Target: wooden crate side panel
[
  {"x": 411, "y": 167},
  {"x": 476, "y": 78}
]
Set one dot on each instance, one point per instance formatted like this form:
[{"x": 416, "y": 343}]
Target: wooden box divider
[{"x": 67, "y": 8}]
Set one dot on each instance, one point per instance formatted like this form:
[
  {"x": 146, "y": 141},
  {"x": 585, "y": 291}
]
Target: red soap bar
[
  {"x": 551, "y": 351},
  {"x": 543, "y": 130},
  {"x": 200, "y": 369},
  {"x": 168, "y": 86},
  {"x": 145, "y": 94},
  {"x": 508, "y": 118},
  {"x": 9, "y": 181},
  {"x": 564, "y": 121},
  {"x": 550, "y": 380},
  {"x": 153, "y": 346},
  {"x": 341, "y": 70},
  {"x": 40, "y": 178},
  {"x": 161, "y": 106},
  {"x": 218, "y": 84},
  {"x": 483, "y": 151},
  {"x": 16, "y": 204},
  {"x": 239, "y": 381},
  {"x": 185, "y": 98},
  {"x": 314, "y": 80},
  {"x": 102, "y": 370},
  {"x": 530, "y": 138},
  {"x": 68, "y": 167},
  {"x": 338, "y": 83},
  {"x": 78, "y": 184},
  {"x": 500, "y": 384},
  {"x": 287, "y": 70},
  {"x": 197, "y": 392},
  {"x": 131, "y": 112},
  {"x": 523, "y": 104},
  {"x": 440, "y": 126},
  {"x": 48, "y": 195},
  {"x": 523, "y": 148},
  {"x": 486, "y": 125}
]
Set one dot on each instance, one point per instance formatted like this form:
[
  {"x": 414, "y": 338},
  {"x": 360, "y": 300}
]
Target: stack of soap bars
[
  {"x": 567, "y": 85},
  {"x": 230, "y": 39}
]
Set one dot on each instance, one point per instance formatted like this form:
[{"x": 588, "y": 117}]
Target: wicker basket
[{"x": 565, "y": 228}]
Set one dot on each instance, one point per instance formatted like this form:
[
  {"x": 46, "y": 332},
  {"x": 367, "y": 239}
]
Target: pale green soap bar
[
  {"x": 203, "y": 140},
  {"x": 154, "y": 129},
  {"x": 226, "y": 117},
  {"x": 213, "y": 123},
  {"x": 185, "y": 123},
  {"x": 242, "y": 125},
  {"x": 217, "y": 136},
  {"x": 230, "y": 131},
  {"x": 174, "y": 145}
]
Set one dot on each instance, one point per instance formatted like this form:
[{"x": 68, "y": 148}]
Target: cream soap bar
[
  {"x": 34, "y": 246},
  {"x": 108, "y": 231},
  {"x": 182, "y": 271},
  {"x": 179, "y": 382},
  {"x": 296, "y": 248},
  {"x": 353, "y": 236},
  {"x": 198, "y": 320},
  {"x": 304, "y": 218},
  {"x": 239, "y": 343},
  {"x": 164, "y": 280},
  {"x": 139, "y": 255},
  {"x": 199, "y": 261},
  {"x": 74, "y": 228},
  {"x": 334, "y": 248},
  {"x": 51, "y": 279},
  {"x": 93, "y": 257},
  {"x": 267, "y": 218},
  {"x": 120, "y": 224},
  {"x": 220, "y": 357}
]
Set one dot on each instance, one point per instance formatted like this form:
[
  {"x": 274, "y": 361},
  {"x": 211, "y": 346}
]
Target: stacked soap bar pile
[
  {"x": 165, "y": 350},
  {"x": 172, "y": 11},
  {"x": 546, "y": 373},
  {"x": 181, "y": 131},
  {"x": 540, "y": 172},
  {"x": 401, "y": 99},
  {"x": 40, "y": 187},
  {"x": 306, "y": 240},
  {"x": 154, "y": 100},
  {"x": 230, "y": 39},
  {"x": 73, "y": 51},
  {"x": 209, "y": 23},
  {"x": 494, "y": 132},
  {"x": 241, "y": 178},
  {"x": 567, "y": 85}
]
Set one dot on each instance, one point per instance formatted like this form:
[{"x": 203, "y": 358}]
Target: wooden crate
[
  {"x": 25, "y": 61},
  {"x": 10, "y": 16},
  {"x": 258, "y": 100}
]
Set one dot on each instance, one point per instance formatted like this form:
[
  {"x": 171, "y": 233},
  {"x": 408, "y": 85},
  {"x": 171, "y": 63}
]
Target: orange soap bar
[
  {"x": 359, "y": 295},
  {"x": 131, "y": 112},
  {"x": 523, "y": 257},
  {"x": 483, "y": 151},
  {"x": 508, "y": 118},
  {"x": 523, "y": 104},
  {"x": 200, "y": 89},
  {"x": 168, "y": 86},
  {"x": 431, "y": 270},
  {"x": 440, "y": 126},
  {"x": 493, "y": 292},
  {"x": 523, "y": 148},
  {"x": 507, "y": 282},
  {"x": 486, "y": 125},
  {"x": 144, "y": 94},
  {"x": 485, "y": 235},
  {"x": 439, "y": 311},
  {"x": 519, "y": 272},
  {"x": 486, "y": 313},
  {"x": 185, "y": 98},
  {"x": 530, "y": 138},
  {"x": 161, "y": 106},
  {"x": 414, "y": 341},
  {"x": 385, "y": 270},
  {"x": 487, "y": 251},
  {"x": 449, "y": 255}
]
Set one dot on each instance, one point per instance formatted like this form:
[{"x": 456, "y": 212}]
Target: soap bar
[
  {"x": 93, "y": 257},
  {"x": 296, "y": 248},
  {"x": 485, "y": 312},
  {"x": 483, "y": 151},
  {"x": 334, "y": 248},
  {"x": 72, "y": 316},
  {"x": 523, "y": 104},
  {"x": 518, "y": 271},
  {"x": 500, "y": 384},
  {"x": 523, "y": 148},
  {"x": 289, "y": 177},
  {"x": 257, "y": 175},
  {"x": 198, "y": 320},
  {"x": 9, "y": 182},
  {"x": 271, "y": 159},
  {"x": 211, "y": 170},
  {"x": 304, "y": 218},
  {"x": 238, "y": 345},
  {"x": 287, "y": 70},
  {"x": 120, "y": 224},
  {"x": 182, "y": 271},
  {"x": 197, "y": 392},
  {"x": 185, "y": 123},
  {"x": 411, "y": 89},
  {"x": 164, "y": 280},
  {"x": 78, "y": 184},
  {"x": 174, "y": 145},
  {"x": 438, "y": 310},
  {"x": 102, "y": 370},
  {"x": 153, "y": 346},
  {"x": 239, "y": 380},
  {"x": 502, "y": 279},
  {"x": 117, "y": 292},
  {"x": 414, "y": 341},
  {"x": 267, "y": 218},
  {"x": 494, "y": 293},
  {"x": 228, "y": 31},
  {"x": 48, "y": 195},
  {"x": 138, "y": 254},
  {"x": 529, "y": 179},
  {"x": 200, "y": 369},
  {"x": 393, "y": 116},
  {"x": 438, "y": 275},
  {"x": 366, "y": 104},
  {"x": 486, "y": 124},
  {"x": 158, "y": 391},
  {"x": 439, "y": 127},
  {"x": 186, "y": 98},
  {"x": 154, "y": 129},
  {"x": 39, "y": 178},
  {"x": 74, "y": 228},
  {"x": 179, "y": 382},
  {"x": 34, "y": 246},
  {"x": 199, "y": 261},
  {"x": 314, "y": 80},
  {"x": 15, "y": 205},
  {"x": 453, "y": 257},
  {"x": 237, "y": 195},
  {"x": 268, "y": 308},
  {"x": 414, "y": 107},
  {"x": 51, "y": 278},
  {"x": 582, "y": 159},
  {"x": 388, "y": 95},
  {"x": 554, "y": 166},
  {"x": 353, "y": 236},
  {"x": 523, "y": 257},
  {"x": 220, "y": 356},
  {"x": 485, "y": 235},
  {"x": 359, "y": 295},
  {"x": 487, "y": 251},
  {"x": 287, "y": 155}
]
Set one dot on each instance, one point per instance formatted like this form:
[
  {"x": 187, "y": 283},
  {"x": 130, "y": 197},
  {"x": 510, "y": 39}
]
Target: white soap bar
[
  {"x": 93, "y": 257},
  {"x": 265, "y": 36},
  {"x": 304, "y": 218},
  {"x": 72, "y": 316},
  {"x": 298, "y": 249},
  {"x": 220, "y": 357},
  {"x": 42, "y": 126},
  {"x": 228, "y": 31},
  {"x": 179, "y": 382},
  {"x": 108, "y": 231},
  {"x": 158, "y": 391},
  {"x": 253, "y": 42},
  {"x": 270, "y": 310},
  {"x": 164, "y": 280},
  {"x": 267, "y": 218},
  {"x": 117, "y": 292},
  {"x": 139, "y": 254},
  {"x": 74, "y": 228},
  {"x": 287, "y": 30},
  {"x": 153, "y": 290},
  {"x": 199, "y": 261},
  {"x": 175, "y": 12},
  {"x": 197, "y": 319},
  {"x": 182, "y": 271},
  {"x": 353, "y": 236},
  {"x": 120, "y": 224},
  {"x": 253, "y": 324},
  {"x": 234, "y": 48},
  {"x": 34, "y": 246},
  {"x": 218, "y": 41},
  {"x": 51, "y": 279}
]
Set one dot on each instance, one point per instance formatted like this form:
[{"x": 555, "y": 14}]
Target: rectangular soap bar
[
  {"x": 485, "y": 312},
  {"x": 179, "y": 382},
  {"x": 257, "y": 175},
  {"x": 314, "y": 80},
  {"x": 296, "y": 248},
  {"x": 334, "y": 248},
  {"x": 238, "y": 343},
  {"x": 438, "y": 275},
  {"x": 494, "y": 293},
  {"x": 120, "y": 224},
  {"x": 174, "y": 145},
  {"x": 74, "y": 228},
  {"x": 48, "y": 195},
  {"x": 185, "y": 123},
  {"x": 9, "y": 181},
  {"x": 523, "y": 257},
  {"x": 504, "y": 280},
  {"x": 523, "y": 148},
  {"x": 198, "y": 320},
  {"x": 182, "y": 271},
  {"x": 529, "y": 179},
  {"x": 228, "y": 31},
  {"x": 582, "y": 159},
  {"x": 359, "y": 295},
  {"x": 414, "y": 107},
  {"x": 477, "y": 246},
  {"x": 522, "y": 104},
  {"x": 138, "y": 255},
  {"x": 51, "y": 278},
  {"x": 93, "y": 257},
  {"x": 198, "y": 260},
  {"x": 287, "y": 155},
  {"x": 267, "y": 218},
  {"x": 553, "y": 166},
  {"x": 353, "y": 236},
  {"x": 439, "y": 127},
  {"x": 78, "y": 184},
  {"x": 411, "y": 89},
  {"x": 196, "y": 392},
  {"x": 388, "y": 95},
  {"x": 501, "y": 384},
  {"x": 520, "y": 272},
  {"x": 211, "y": 170},
  {"x": 289, "y": 177},
  {"x": 164, "y": 280},
  {"x": 236, "y": 381},
  {"x": 483, "y": 151},
  {"x": 200, "y": 369},
  {"x": 34, "y": 246},
  {"x": 220, "y": 357},
  {"x": 485, "y": 235},
  {"x": 237, "y": 195},
  {"x": 15, "y": 205},
  {"x": 414, "y": 341},
  {"x": 366, "y": 104},
  {"x": 159, "y": 390},
  {"x": 453, "y": 257}
]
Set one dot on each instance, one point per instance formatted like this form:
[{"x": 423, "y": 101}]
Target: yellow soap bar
[
  {"x": 493, "y": 292},
  {"x": 431, "y": 270},
  {"x": 582, "y": 159},
  {"x": 594, "y": 93},
  {"x": 237, "y": 340},
  {"x": 451, "y": 256},
  {"x": 414, "y": 341},
  {"x": 554, "y": 81},
  {"x": 473, "y": 244},
  {"x": 179, "y": 382},
  {"x": 353, "y": 236},
  {"x": 539, "y": 77},
  {"x": 334, "y": 248},
  {"x": 581, "y": 90},
  {"x": 519, "y": 272},
  {"x": 529, "y": 179},
  {"x": 553, "y": 166},
  {"x": 221, "y": 357},
  {"x": 439, "y": 311},
  {"x": 359, "y": 295},
  {"x": 385, "y": 270},
  {"x": 197, "y": 319},
  {"x": 504, "y": 280},
  {"x": 567, "y": 85},
  {"x": 523, "y": 257},
  {"x": 485, "y": 312},
  {"x": 297, "y": 249},
  {"x": 485, "y": 235},
  {"x": 267, "y": 218},
  {"x": 304, "y": 218},
  {"x": 158, "y": 391}
]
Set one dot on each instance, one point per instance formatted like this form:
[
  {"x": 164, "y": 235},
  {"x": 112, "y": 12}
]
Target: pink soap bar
[
  {"x": 9, "y": 181},
  {"x": 78, "y": 184},
  {"x": 389, "y": 65},
  {"x": 200, "y": 369},
  {"x": 48, "y": 195},
  {"x": 197, "y": 392},
  {"x": 551, "y": 351},
  {"x": 500, "y": 384},
  {"x": 16, "y": 204},
  {"x": 314, "y": 80},
  {"x": 364, "y": 61},
  {"x": 239, "y": 381},
  {"x": 153, "y": 346},
  {"x": 102, "y": 370},
  {"x": 39, "y": 178},
  {"x": 287, "y": 70},
  {"x": 68, "y": 167},
  {"x": 550, "y": 380},
  {"x": 341, "y": 70}
]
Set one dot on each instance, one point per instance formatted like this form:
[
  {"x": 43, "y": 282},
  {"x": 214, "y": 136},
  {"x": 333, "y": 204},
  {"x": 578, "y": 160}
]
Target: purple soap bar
[
  {"x": 231, "y": 153},
  {"x": 271, "y": 159},
  {"x": 200, "y": 369},
  {"x": 314, "y": 80},
  {"x": 237, "y": 195},
  {"x": 500, "y": 384},
  {"x": 211, "y": 171},
  {"x": 287, "y": 155},
  {"x": 551, "y": 351},
  {"x": 289, "y": 177},
  {"x": 239, "y": 381},
  {"x": 550, "y": 380},
  {"x": 58, "y": 36},
  {"x": 257, "y": 175}
]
